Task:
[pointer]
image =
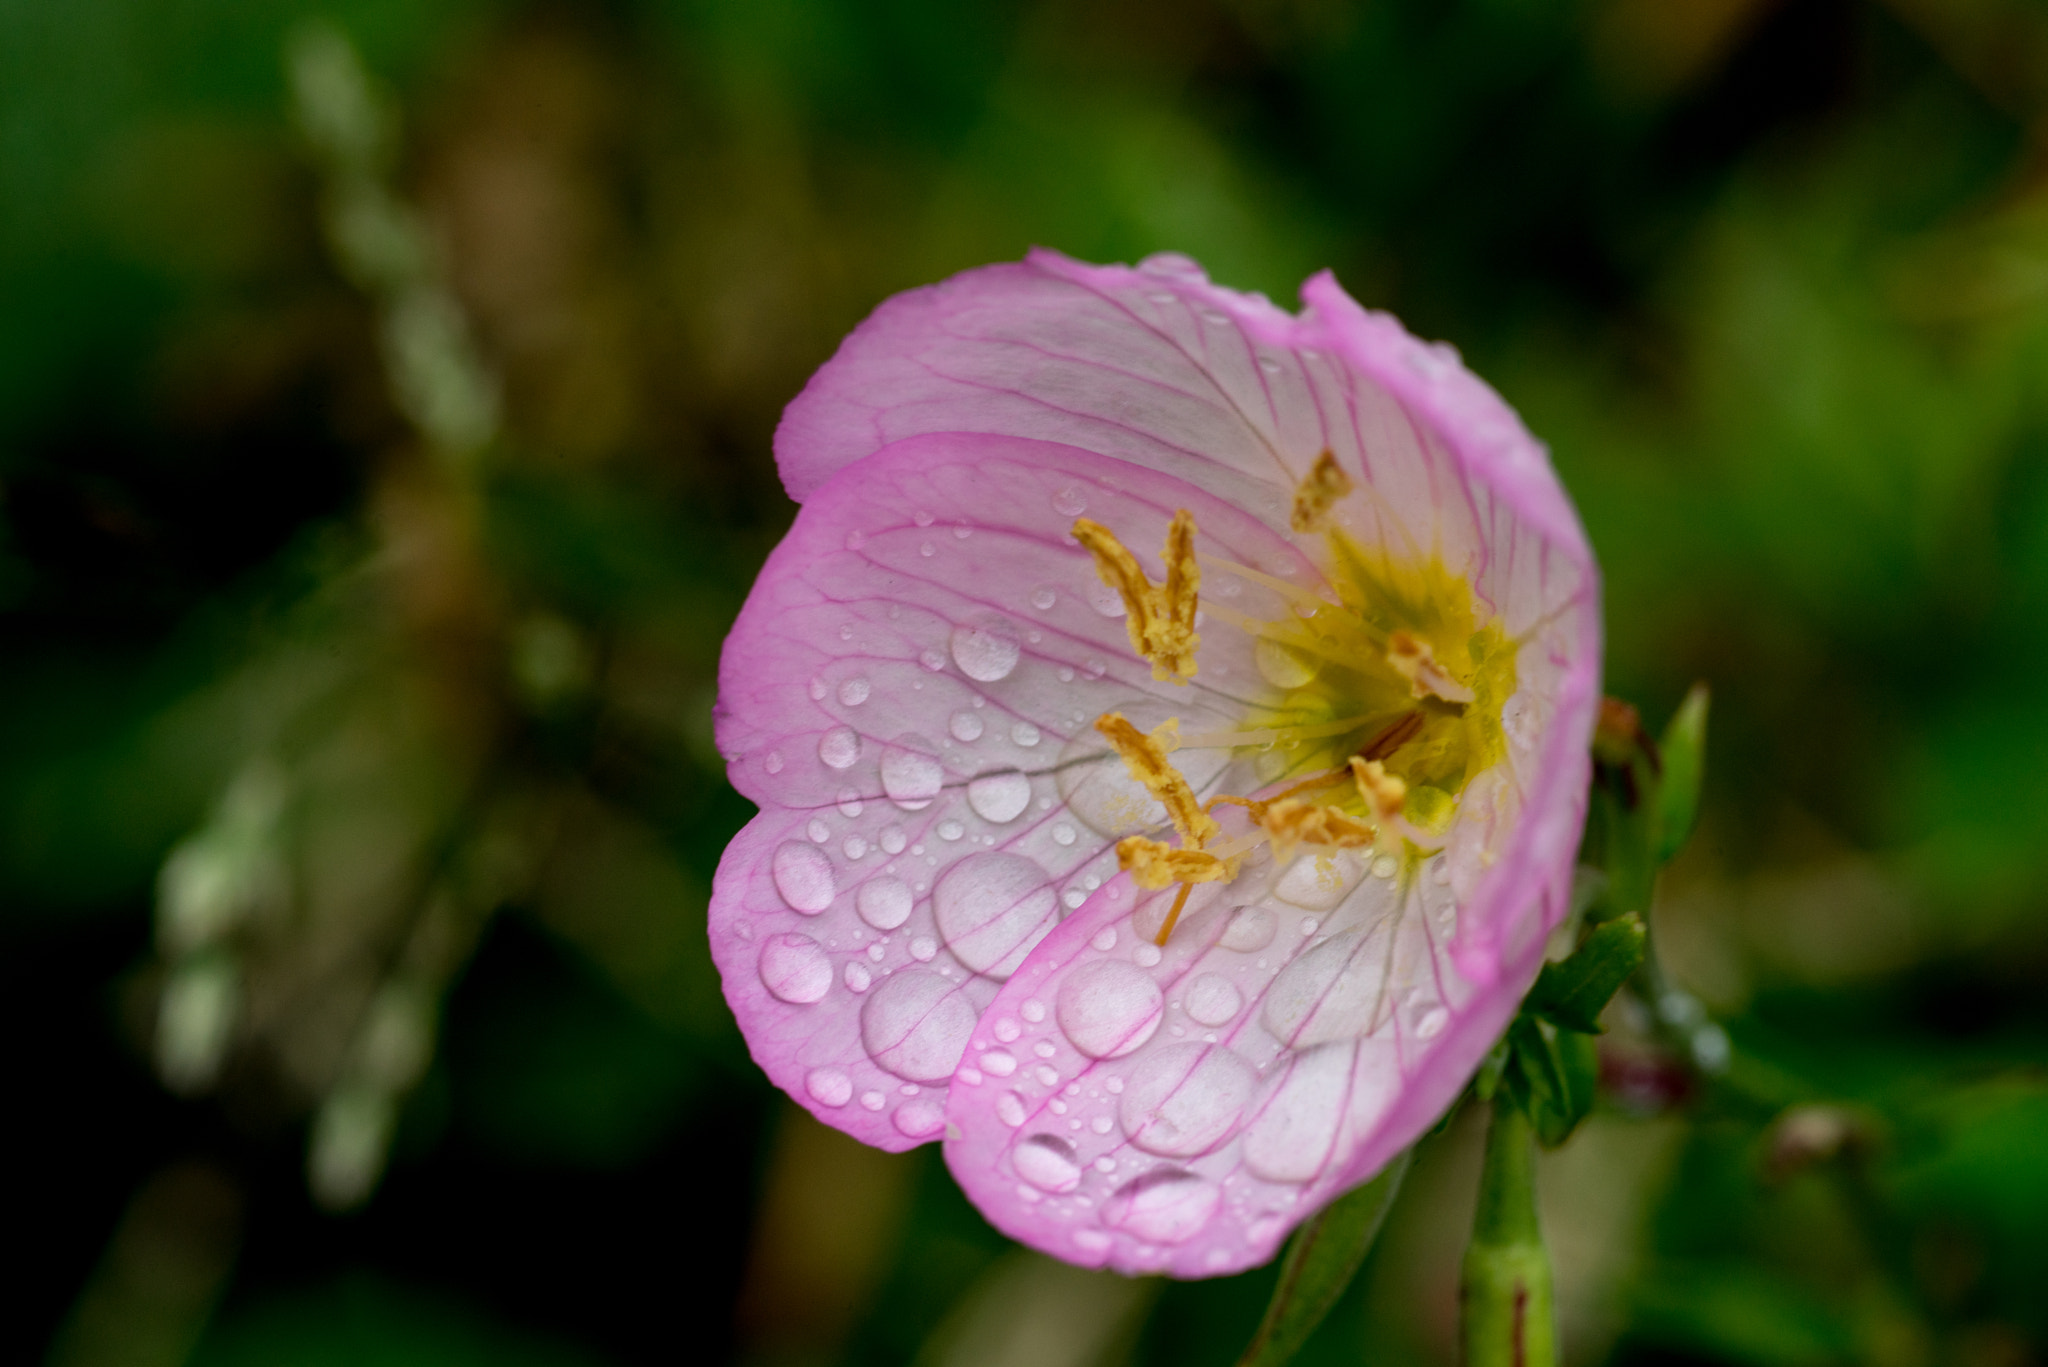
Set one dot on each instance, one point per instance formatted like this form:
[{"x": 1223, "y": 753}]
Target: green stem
[{"x": 1506, "y": 1311}]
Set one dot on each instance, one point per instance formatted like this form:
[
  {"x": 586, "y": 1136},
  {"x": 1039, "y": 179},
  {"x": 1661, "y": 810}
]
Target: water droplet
[
  {"x": 1095, "y": 666},
  {"x": 846, "y": 633},
  {"x": 857, "y": 976},
  {"x": 1105, "y": 599},
  {"x": 1102, "y": 1124},
  {"x": 818, "y": 831},
  {"x": 921, "y": 518},
  {"x": 803, "y": 875},
  {"x": 1249, "y": 931},
  {"x": 1284, "y": 666},
  {"x": 910, "y": 776},
  {"x": 1440, "y": 871},
  {"x": 1093, "y": 1241},
  {"x": 919, "y": 1119},
  {"x": 1047, "y": 1162},
  {"x": 927, "y": 550},
  {"x": 1007, "y": 1030},
  {"x": 1183, "y": 1099},
  {"x": 1043, "y": 598},
  {"x": 966, "y": 727},
  {"x": 1032, "y": 1010},
  {"x": 1070, "y": 501},
  {"x": 1319, "y": 881},
  {"x": 1010, "y": 1109},
  {"x": 829, "y": 1087},
  {"x": 853, "y": 692},
  {"x": 854, "y": 847},
  {"x": 873, "y": 1101},
  {"x": 1165, "y": 1206},
  {"x": 1107, "y": 1009},
  {"x": 1073, "y": 898},
  {"x": 856, "y": 539},
  {"x": 932, "y": 658},
  {"x": 795, "y": 968},
  {"x": 1294, "y": 1134},
  {"x": 839, "y": 748},
  {"x": 1385, "y": 866},
  {"x": 993, "y": 909},
  {"x": 924, "y": 949},
  {"x": 1050, "y": 1077},
  {"x": 1104, "y": 940},
  {"x": 773, "y": 762},
  {"x": 949, "y": 829},
  {"x": 1270, "y": 366},
  {"x": 1432, "y": 1023},
  {"x": 892, "y": 840},
  {"x": 1213, "y": 1000},
  {"x": 1001, "y": 797},
  {"x": 985, "y": 653},
  {"x": 1066, "y": 674},
  {"x": 1147, "y": 954},
  {"x": 1025, "y": 734},
  {"x": 916, "y": 1025},
  {"x": 1063, "y": 834},
  {"x": 883, "y": 903},
  {"x": 999, "y": 1063}
]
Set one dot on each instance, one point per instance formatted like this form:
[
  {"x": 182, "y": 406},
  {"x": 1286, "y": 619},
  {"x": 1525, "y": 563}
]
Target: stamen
[
  {"x": 1160, "y": 620},
  {"x": 1385, "y": 795},
  {"x": 1271, "y": 735},
  {"x": 1291, "y": 821},
  {"x": 1145, "y": 757},
  {"x": 1318, "y": 491},
  {"x": 1393, "y": 738},
  {"x": 1154, "y": 864},
  {"x": 1173, "y": 917},
  {"x": 1412, "y": 658}
]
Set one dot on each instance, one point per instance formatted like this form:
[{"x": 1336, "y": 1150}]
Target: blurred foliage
[{"x": 355, "y": 762}]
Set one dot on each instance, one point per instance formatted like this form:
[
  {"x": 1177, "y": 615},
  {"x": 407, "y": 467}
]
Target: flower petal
[{"x": 909, "y": 695}]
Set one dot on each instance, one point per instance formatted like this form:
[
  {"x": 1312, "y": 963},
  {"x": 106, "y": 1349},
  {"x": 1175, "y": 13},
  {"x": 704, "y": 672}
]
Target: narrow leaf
[
  {"x": 1322, "y": 1258},
  {"x": 1573, "y": 993},
  {"x": 1678, "y": 796}
]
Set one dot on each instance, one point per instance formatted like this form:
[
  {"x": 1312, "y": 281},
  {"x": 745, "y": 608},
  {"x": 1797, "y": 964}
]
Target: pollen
[
  {"x": 1290, "y": 821},
  {"x": 1145, "y": 757},
  {"x": 1161, "y": 617},
  {"x": 1414, "y": 661},
  {"x": 1318, "y": 492},
  {"x": 1384, "y": 794}
]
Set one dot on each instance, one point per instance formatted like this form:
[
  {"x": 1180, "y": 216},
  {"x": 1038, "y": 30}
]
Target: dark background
[{"x": 1770, "y": 276}]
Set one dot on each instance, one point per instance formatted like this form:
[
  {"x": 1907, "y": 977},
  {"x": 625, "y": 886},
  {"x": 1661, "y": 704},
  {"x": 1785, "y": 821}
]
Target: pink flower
[{"x": 1361, "y": 685}]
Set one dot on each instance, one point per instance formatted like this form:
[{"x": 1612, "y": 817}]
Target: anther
[
  {"x": 1318, "y": 491},
  {"x": 1160, "y": 618},
  {"x": 1413, "y": 660}
]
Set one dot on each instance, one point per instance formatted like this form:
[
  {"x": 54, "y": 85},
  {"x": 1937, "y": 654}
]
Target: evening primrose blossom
[{"x": 1169, "y": 719}]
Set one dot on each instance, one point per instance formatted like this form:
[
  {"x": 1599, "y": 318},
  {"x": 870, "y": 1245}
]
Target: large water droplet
[
  {"x": 1165, "y": 1206},
  {"x": 795, "y": 968},
  {"x": 916, "y": 1025},
  {"x": 999, "y": 1063},
  {"x": 1249, "y": 930},
  {"x": 839, "y": 748},
  {"x": 803, "y": 875},
  {"x": 1047, "y": 1162},
  {"x": 966, "y": 727},
  {"x": 1025, "y": 734},
  {"x": 1332, "y": 991},
  {"x": 910, "y": 775},
  {"x": 1283, "y": 666},
  {"x": 999, "y": 798},
  {"x": 1213, "y": 1000},
  {"x": 1318, "y": 881},
  {"x": 884, "y": 903},
  {"x": 829, "y": 1087},
  {"x": 1292, "y": 1137},
  {"x": 853, "y": 692},
  {"x": 919, "y": 1119},
  {"x": 987, "y": 653},
  {"x": 1184, "y": 1099},
  {"x": 1107, "y": 1008},
  {"x": 993, "y": 909}
]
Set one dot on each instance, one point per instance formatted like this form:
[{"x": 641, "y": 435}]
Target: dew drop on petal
[
  {"x": 1070, "y": 501},
  {"x": 892, "y": 840},
  {"x": 1431, "y": 1023},
  {"x": 932, "y": 658},
  {"x": 818, "y": 690},
  {"x": 1043, "y": 598},
  {"x": 1296, "y": 1129},
  {"x": 795, "y": 968},
  {"x": 1063, "y": 834},
  {"x": 985, "y": 653},
  {"x": 999, "y": 798},
  {"x": 993, "y": 909},
  {"x": 839, "y": 748},
  {"x": 910, "y": 775},
  {"x": 919, "y": 1119},
  {"x": 883, "y": 903},
  {"x": 1147, "y": 954},
  {"x": 1007, "y": 1030},
  {"x": 1283, "y": 666},
  {"x": 873, "y": 1101},
  {"x": 950, "y": 829},
  {"x": 1165, "y": 1206},
  {"x": 1249, "y": 930},
  {"x": 854, "y": 847},
  {"x": 1104, "y": 940},
  {"x": 853, "y": 692},
  {"x": 1047, "y": 1162},
  {"x": 966, "y": 727},
  {"x": 818, "y": 831},
  {"x": 849, "y": 802},
  {"x": 857, "y": 976},
  {"x": 916, "y": 1025},
  {"x": 927, "y": 550},
  {"x": 999, "y": 1063},
  {"x": 1050, "y": 1077},
  {"x": 1010, "y": 1109},
  {"x": 1106, "y": 1008},
  {"x": 1182, "y": 1100},
  {"x": 803, "y": 876},
  {"x": 1213, "y": 999},
  {"x": 924, "y": 949},
  {"x": 829, "y": 1086},
  {"x": 773, "y": 762},
  {"x": 1024, "y": 734}
]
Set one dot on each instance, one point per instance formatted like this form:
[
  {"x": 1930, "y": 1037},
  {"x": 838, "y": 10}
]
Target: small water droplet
[
  {"x": 873, "y": 1101},
  {"x": 1066, "y": 674},
  {"x": 916, "y": 1024},
  {"x": 1432, "y": 1023},
  {"x": 803, "y": 876},
  {"x": 1104, "y": 939},
  {"x": 1146, "y": 954},
  {"x": 966, "y": 727},
  {"x": 1385, "y": 866},
  {"x": 1073, "y": 898},
  {"x": 884, "y": 903},
  {"x": 932, "y": 658},
  {"x": 1001, "y": 797},
  {"x": 1048, "y": 1076},
  {"x": 1095, "y": 667},
  {"x": 1047, "y": 1162},
  {"x": 927, "y": 550},
  {"x": 986, "y": 653},
  {"x": 1070, "y": 501},
  {"x": 1213, "y": 1000},
  {"x": 962, "y": 533},
  {"x": 1010, "y": 1109},
  {"x": 857, "y": 976},
  {"x": 892, "y": 840},
  {"x": 949, "y": 829},
  {"x": 1284, "y": 666},
  {"x": 999, "y": 1063},
  {"x": 1025, "y": 734},
  {"x": 839, "y": 748},
  {"x": 919, "y": 1119},
  {"x": 1043, "y": 598},
  {"x": 1063, "y": 834},
  {"x": 818, "y": 831},
  {"x": 849, "y": 802},
  {"x": 1007, "y": 1030},
  {"x": 1032, "y": 1010},
  {"x": 829, "y": 1087},
  {"x": 853, "y": 692},
  {"x": 846, "y": 633},
  {"x": 773, "y": 762},
  {"x": 924, "y": 949},
  {"x": 818, "y": 690},
  {"x": 795, "y": 968},
  {"x": 921, "y": 518},
  {"x": 854, "y": 847}
]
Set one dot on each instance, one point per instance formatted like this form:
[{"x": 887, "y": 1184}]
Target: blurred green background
[{"x": 384, "y": 451}]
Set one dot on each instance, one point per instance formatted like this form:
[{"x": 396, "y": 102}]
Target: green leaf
[
  {"x": 1573, "y": 993},
  {"x": 1322, "y": 1258},
  {"x": 1551, "y": 1075},
  {"x": 1684, "y": 748}
]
